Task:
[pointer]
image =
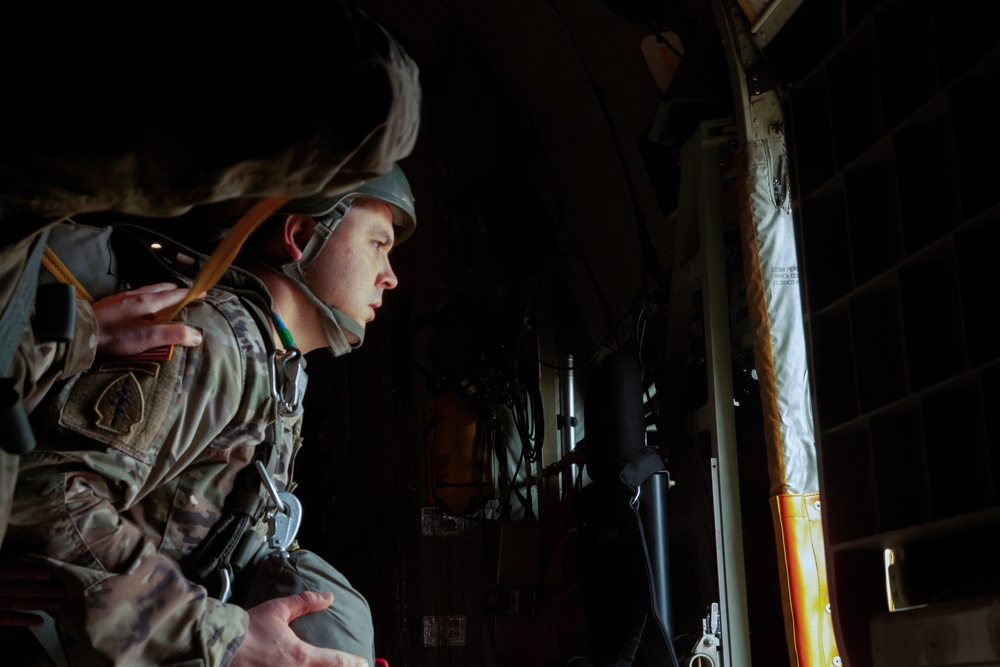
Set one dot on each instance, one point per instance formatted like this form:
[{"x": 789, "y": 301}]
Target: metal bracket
[
  {"x": 706, "y": 650},
  {"x": 282, "y": 527},
  {"x": 759, "y": 83}
]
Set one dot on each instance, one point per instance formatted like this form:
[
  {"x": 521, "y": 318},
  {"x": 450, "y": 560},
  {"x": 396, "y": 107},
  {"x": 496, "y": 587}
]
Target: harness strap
[
  {"x": 18, "y": 311},
  {"x": 13, "y": 323},
  {"x": 232, "y": 546}
]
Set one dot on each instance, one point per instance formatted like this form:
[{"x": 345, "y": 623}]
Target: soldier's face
[{"x": 352, "y": 270}]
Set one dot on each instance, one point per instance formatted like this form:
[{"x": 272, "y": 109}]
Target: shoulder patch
[{"x": 124, "y": 402}]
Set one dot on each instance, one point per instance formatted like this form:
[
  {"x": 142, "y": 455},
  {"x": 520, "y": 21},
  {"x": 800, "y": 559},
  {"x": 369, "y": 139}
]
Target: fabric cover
[{"x": 346, "y": 625}]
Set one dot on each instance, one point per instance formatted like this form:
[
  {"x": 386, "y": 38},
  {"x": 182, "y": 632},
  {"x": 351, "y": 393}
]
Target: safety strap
[{"x": 232, "y": 544}]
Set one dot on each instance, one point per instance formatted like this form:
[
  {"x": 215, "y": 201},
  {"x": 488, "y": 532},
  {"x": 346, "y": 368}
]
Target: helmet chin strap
[{"x": 336, "y": 324}]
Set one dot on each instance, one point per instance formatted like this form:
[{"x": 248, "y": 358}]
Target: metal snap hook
[{"x": 271, "y": 488}]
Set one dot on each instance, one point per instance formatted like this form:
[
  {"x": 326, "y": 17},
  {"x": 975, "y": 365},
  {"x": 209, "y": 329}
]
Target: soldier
[
  {"x": 343, "y": 105},
  {"x": 153, "y": 474}
]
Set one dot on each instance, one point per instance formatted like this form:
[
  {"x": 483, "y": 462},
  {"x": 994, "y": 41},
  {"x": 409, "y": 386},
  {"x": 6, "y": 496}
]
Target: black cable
[
  {"x": 512, "y": 488},
  {"x": 526, "y": 503},
  {"x": 600, "y": 347},
  {"x": 646, "y": 245},
  {"x": 523, "y": 401}
]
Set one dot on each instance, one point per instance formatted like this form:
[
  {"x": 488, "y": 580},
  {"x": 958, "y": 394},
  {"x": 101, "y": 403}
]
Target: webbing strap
[
  {"x": 228, "y": 545},
  {"x": 231, "y": 546}
]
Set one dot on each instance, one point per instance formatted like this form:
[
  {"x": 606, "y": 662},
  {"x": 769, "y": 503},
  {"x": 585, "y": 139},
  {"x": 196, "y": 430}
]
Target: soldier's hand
[
  {"x": 24, "y": 587},
  {"x": 125, "y": 323},
  {"x": 269, "y": 641}
]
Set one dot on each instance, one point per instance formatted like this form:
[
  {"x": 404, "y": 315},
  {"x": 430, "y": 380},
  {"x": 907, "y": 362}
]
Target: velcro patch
[{"x": 123, "y": 403}]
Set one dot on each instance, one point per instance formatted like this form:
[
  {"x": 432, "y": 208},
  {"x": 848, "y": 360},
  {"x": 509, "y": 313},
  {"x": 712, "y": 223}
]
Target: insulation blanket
[{"x": 775, "y": 307}]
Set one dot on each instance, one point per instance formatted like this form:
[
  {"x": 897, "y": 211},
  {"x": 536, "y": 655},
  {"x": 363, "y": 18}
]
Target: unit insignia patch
[{"x": 121, "y": 405}]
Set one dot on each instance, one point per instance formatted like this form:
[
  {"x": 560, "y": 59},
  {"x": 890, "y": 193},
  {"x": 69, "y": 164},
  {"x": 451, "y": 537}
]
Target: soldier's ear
[{"x": 296, "y": 232}]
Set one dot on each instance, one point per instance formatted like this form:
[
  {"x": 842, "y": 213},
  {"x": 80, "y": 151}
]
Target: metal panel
[{"x": 699, "y": 266}]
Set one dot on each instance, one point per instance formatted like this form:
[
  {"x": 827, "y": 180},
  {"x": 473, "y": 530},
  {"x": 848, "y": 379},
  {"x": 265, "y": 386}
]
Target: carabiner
[{"x": 287, "y": 380}]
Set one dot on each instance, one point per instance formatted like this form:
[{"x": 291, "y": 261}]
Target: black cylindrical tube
[{"x": 653, "y": 513}]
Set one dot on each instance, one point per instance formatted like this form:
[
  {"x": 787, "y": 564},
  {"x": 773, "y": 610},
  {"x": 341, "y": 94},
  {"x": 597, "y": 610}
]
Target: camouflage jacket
[
  {"x": 135, "y": 459},
  {"x": 36, "y": 366},
  {"x": 39, "y": 365}
]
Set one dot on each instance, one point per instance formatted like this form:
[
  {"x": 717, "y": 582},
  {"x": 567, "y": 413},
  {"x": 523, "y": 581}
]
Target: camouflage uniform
[
  {"x": 130, "y": 474},
  {"x": 117, "y": 492}
]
